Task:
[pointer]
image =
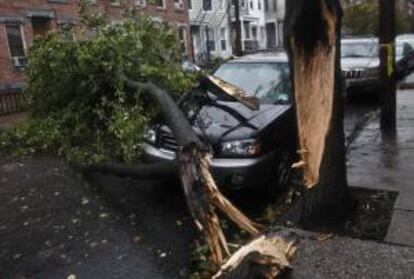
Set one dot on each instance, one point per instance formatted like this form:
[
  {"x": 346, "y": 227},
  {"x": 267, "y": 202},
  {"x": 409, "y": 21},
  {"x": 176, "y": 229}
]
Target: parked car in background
[
  {"x": 405, "y": 44},
  {"x": 360, "y": 62},
  {"x": 251, "y": 148}
]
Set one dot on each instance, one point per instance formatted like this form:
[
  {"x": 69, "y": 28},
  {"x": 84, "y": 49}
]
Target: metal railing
[{"x": 11, "y": 102}]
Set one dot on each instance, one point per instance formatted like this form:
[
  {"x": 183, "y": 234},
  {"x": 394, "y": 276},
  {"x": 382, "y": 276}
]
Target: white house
[
  {"x": 274, "y": 17},
  {"x": 212, "y": 26},
  {"x": 210, "y": 29}
]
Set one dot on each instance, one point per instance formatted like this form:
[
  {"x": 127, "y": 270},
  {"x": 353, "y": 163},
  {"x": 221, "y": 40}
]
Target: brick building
[{"x": 22, "y": 20}]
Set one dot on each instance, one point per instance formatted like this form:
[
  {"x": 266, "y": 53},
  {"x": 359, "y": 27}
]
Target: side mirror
[{"x": 189, "y": 67}]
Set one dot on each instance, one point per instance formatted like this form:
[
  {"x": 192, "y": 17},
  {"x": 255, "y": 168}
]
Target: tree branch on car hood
[{"x": 236, "y": 93}]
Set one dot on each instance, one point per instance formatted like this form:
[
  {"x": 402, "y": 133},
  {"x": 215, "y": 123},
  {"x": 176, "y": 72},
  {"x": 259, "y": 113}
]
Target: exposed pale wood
[
  {"x": 221, "y": 202},
  {"x": 251, "y": 102},
  {"x": 314, "y": 83},
  {"x": 313, "y": 30},
  {"x": 264, "y": 257},
  {"x": 201, "y": 193}
]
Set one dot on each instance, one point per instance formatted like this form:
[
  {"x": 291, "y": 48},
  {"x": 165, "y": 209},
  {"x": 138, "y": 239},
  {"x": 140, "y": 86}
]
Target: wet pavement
[
  {"x": 343, "y": 257},
  {"x": 55, "y": 223},
  {"x": 381, "y": 161}
]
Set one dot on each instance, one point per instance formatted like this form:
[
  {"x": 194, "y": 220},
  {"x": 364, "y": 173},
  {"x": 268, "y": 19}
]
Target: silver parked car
[
  {"x": 404, "y": 45},
  {"x": 360, "y": 62}
]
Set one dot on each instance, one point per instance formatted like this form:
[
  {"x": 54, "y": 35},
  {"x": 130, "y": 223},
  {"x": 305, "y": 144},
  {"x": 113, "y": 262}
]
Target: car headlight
[
  {"x": 240, "y": 148},
  {"x": 150, "y": 136}
]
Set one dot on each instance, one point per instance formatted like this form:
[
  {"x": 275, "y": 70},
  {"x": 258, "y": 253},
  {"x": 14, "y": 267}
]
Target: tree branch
[{"x": 173, "y": 116}]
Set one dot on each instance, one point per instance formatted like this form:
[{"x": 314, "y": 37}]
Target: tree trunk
[
  {"x": 312, "y": 30},
  {"x": 202, "y": 194}
]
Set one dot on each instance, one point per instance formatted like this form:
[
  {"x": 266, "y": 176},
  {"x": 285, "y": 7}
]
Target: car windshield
[
  {"x": 359, "y": 49},
  {"x": 270, "y": 82}
]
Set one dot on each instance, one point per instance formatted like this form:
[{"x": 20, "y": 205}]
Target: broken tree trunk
[
  {"x": 202, "y": 194},
  {"x": 312, "y": 30},
  {"x": 265, "y": 257}
]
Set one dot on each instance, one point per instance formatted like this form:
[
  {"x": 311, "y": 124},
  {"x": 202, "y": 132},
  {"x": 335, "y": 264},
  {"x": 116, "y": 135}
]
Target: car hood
[
  {"x": 359, "y": 63},
  {"x": 218, "y": 121}
]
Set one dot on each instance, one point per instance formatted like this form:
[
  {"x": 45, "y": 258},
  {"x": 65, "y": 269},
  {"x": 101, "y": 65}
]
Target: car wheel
[{"x": 284, "y": 175}]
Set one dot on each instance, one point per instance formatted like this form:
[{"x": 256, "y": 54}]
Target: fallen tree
[{"x": 202, "y": 194}]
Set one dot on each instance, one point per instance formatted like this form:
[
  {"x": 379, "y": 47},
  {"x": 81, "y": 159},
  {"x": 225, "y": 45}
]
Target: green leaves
[
  {"x": 363, "y": 18},
  {"x": 79, "y": 106}
]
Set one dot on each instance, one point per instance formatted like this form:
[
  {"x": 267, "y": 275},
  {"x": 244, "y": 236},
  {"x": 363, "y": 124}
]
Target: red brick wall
[{"x": 69, "y": 10}]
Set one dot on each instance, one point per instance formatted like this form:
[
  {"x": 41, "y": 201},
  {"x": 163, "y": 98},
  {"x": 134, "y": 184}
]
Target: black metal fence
[{"x": 11, "y": 102}]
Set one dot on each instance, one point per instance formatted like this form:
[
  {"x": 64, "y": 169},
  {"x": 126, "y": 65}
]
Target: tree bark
[
  {"x": 202, "y": 194},
  {"x": 312, "y": 30}
]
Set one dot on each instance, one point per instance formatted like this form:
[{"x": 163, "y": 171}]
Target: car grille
[
  {"x": 167, "y": 141},
  {"x": 352, "y": 73}
]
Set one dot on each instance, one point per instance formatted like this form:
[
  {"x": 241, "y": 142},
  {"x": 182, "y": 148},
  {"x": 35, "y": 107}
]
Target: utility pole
[
  {"x": 388, "y": 86},
  {"x": 237, "y": 48}
]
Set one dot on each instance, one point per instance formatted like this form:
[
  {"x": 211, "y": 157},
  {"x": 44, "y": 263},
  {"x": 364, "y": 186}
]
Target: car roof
[
  {"x": 262, "y": 57},
  {"x": 360, "y": 39},
  {"x": 405, "y": 37}
]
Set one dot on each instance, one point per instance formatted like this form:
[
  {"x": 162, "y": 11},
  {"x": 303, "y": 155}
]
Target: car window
[
  {"x": 359, "y": 49},
  {"x": 270, "y": 82}
]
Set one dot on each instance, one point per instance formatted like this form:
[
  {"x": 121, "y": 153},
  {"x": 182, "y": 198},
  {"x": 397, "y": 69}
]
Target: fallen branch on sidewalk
[{"x": 264, "y": 257}]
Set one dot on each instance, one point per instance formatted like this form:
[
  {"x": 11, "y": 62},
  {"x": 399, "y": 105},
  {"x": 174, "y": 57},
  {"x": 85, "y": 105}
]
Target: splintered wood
[
  {"x": 203, "y": 197},
  {"x": 264, "y": 257},
  {"x": 252, "y": 103},
  {"x": 314, "y": 86}
]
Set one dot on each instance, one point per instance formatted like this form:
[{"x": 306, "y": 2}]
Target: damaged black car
[{"x": 251, "y": 147}]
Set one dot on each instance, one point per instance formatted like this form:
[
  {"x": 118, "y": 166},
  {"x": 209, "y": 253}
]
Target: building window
[
  {"x": 41, "y": 25},
  {"x": 66, "y": 29},
  {"x": 243, "y": 4},
  {"x": 275, "y": 5},
  {"x": 160, "y": 3},
  {"x": 207, "y": 5},
  {"x": 178, "y": 4},
  {"x": 266, "y": 5},
  {"x": 251, "y": 5},
  {"x": 140, "y": 3},
  {"x": 246, "y": 26},
  {"x": 254, "y": 32},
  {"x": 211, "y": 42},
  {"x": 259, "y": 4},
  {"x": 182, "y": 36},
  {"x": 223, "y": 41},
  {"x": 190, "y": 4},
  {"x": 15, "y": 40}
]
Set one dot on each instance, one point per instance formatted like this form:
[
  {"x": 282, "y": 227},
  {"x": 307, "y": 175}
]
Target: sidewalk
[{"x": 377, "y": 161}]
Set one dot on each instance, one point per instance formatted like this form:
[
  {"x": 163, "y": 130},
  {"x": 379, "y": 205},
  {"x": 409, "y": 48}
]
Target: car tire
[{"x": 284, "y": 175}]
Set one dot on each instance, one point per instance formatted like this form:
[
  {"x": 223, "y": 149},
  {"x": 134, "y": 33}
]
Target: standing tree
[
  {"x": 312, "y": 30},
  {"x": 362, "y": 18}
]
